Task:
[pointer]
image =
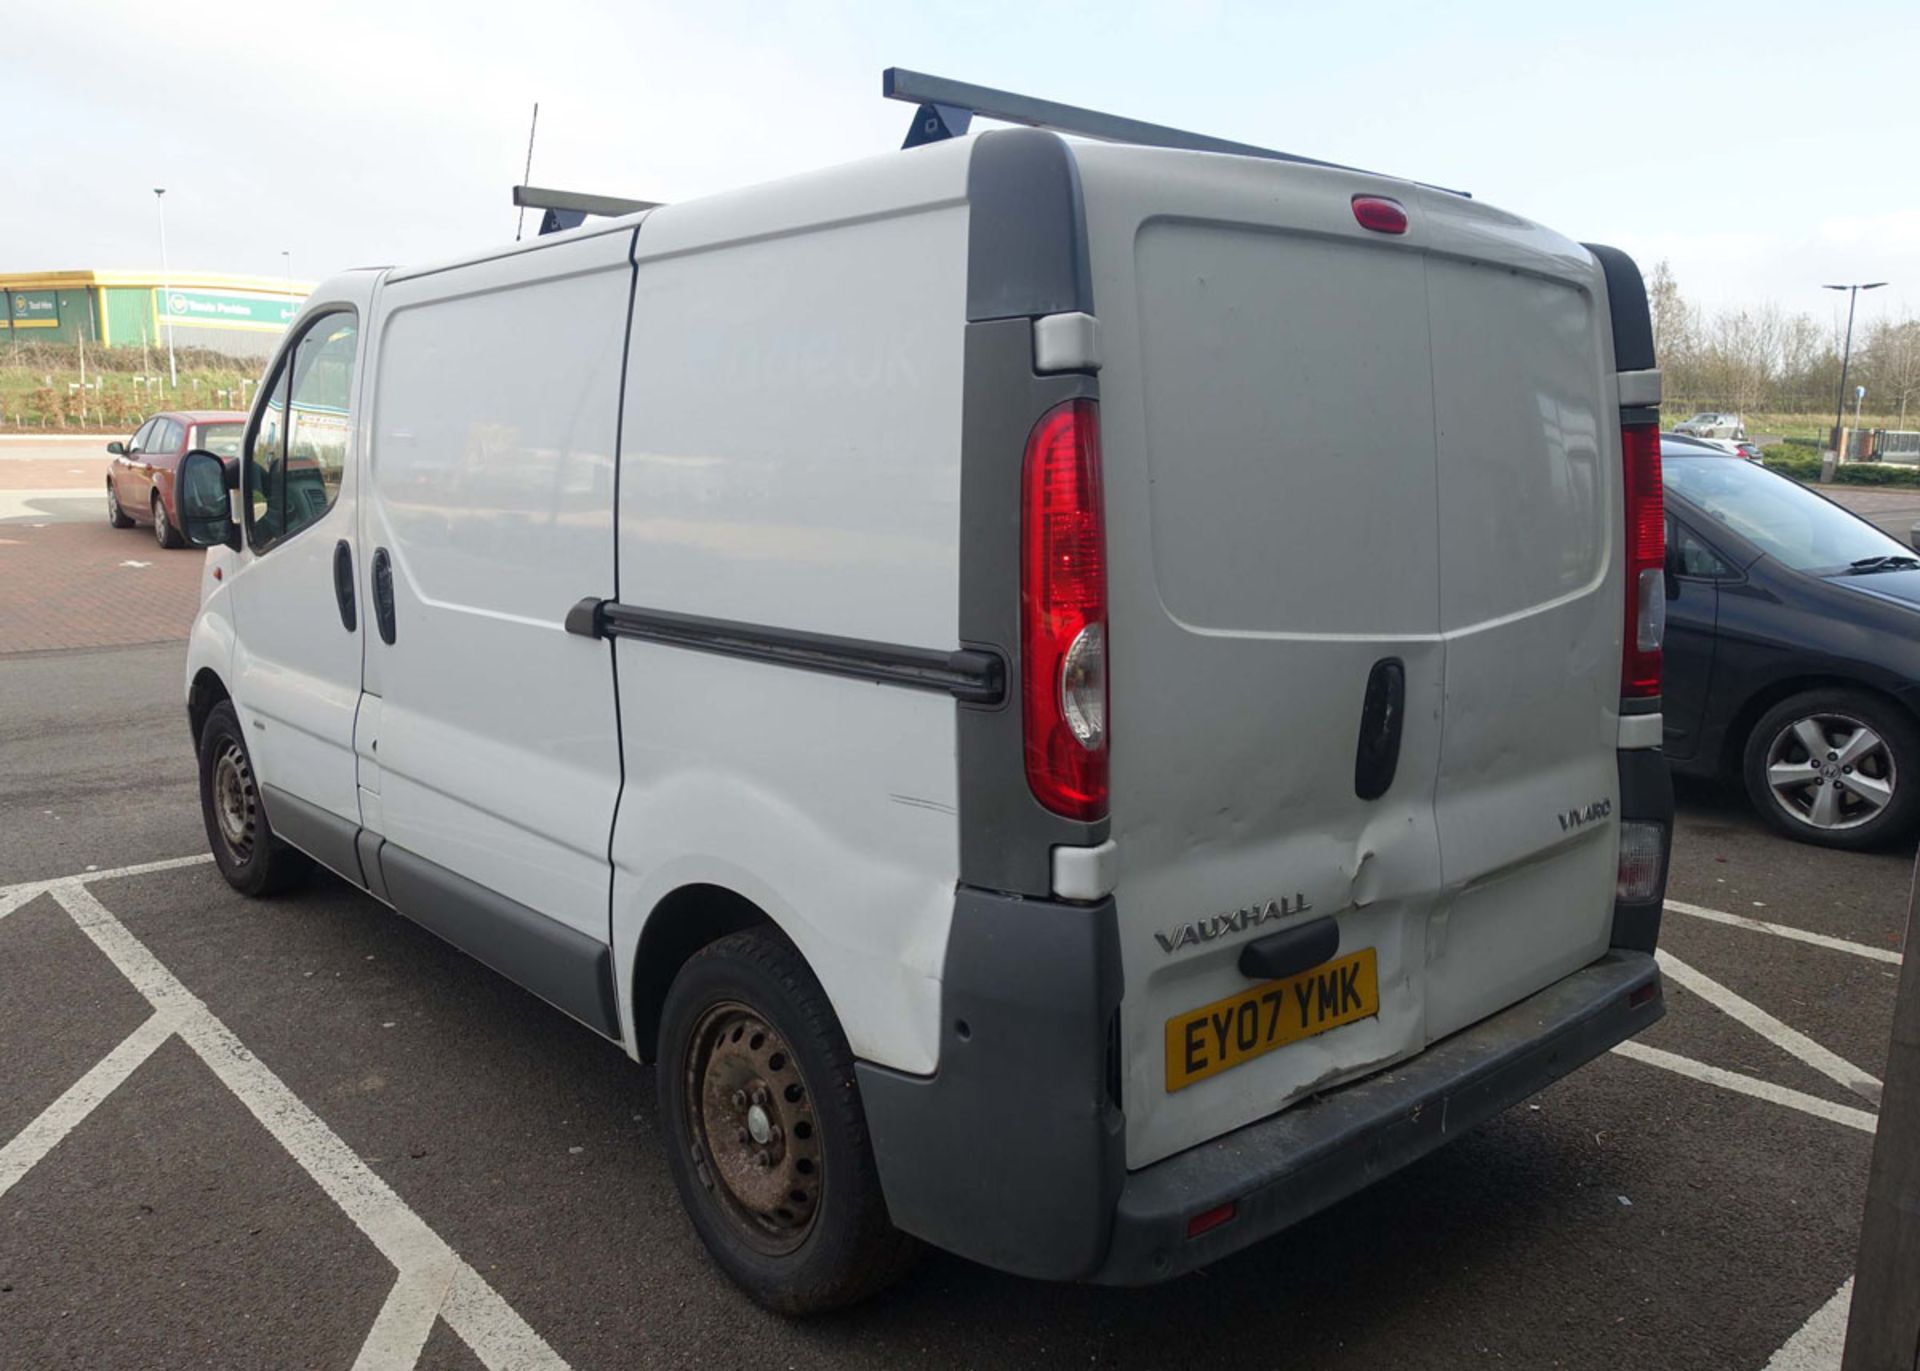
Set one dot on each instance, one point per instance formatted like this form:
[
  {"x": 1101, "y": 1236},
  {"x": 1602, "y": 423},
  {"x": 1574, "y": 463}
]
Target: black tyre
[
  {"x": 164, "y": 533},
  {"x": 249, "y": 856},
  {"x": 116, "y": 516},
  {"x": 766, "y": 1137},
  {"x": 1836, "y": 767}
]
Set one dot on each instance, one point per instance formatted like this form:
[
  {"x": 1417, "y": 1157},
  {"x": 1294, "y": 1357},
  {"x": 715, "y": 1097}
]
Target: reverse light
[
  {"x": 1063, "y": 613},
  {"x": 1641, "y": 861},
  {"x": 1646, "y": 558}
]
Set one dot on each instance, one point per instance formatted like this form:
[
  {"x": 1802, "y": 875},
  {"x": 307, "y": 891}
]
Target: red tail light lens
[
  {"x": 1208, "y": 1220},
  {"x": 1646, "y": 562},
  {"x": 1063, "y": 613},
  {"x": 1380, "y": 214}
]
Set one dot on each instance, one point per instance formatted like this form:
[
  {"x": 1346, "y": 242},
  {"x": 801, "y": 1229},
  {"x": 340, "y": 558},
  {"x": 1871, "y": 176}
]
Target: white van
[{"x": 1023, "y": 674}]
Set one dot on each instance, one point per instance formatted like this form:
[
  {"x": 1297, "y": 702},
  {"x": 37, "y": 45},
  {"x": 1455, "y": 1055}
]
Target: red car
[{"x": 140, "y": 477}]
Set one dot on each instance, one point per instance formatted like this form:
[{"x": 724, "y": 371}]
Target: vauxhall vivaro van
[{"x": 1080, "y": 701}]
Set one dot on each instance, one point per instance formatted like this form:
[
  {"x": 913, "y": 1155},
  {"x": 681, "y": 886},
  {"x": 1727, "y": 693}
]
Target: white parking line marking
[
  {"x": 488, "y": 1324},
  {"x": 1862, "y": 1119},
  {"x": 1821, "y": 1339},
  {"x": 400, "y": 1334},
  {"x": 22, "y": 891},
  {"x": 1827, "y": 1063},
  {"x": 79, "y": 1100},
  {"x": 1799, "y": 935}
]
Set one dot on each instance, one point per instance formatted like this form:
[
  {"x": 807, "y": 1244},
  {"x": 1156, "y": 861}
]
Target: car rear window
[
  {"x": 222, "y": 440},
  {"x": 1777, "y": 515}
]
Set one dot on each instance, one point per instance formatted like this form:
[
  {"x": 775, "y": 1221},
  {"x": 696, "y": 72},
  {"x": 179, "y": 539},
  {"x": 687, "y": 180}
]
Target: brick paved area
[
  {"x": 83, "y": 468},
  {"x": 88, "y": 585}
]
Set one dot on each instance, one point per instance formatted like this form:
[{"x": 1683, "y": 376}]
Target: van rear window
[{"x": 222, "y": 440}]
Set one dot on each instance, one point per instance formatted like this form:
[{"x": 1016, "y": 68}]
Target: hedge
[{"x": 1848, "y": 473}]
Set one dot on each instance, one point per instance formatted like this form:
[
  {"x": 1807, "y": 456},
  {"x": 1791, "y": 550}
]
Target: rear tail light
[
  {"x": 1646, "y": 562},
  {"x": 1063, "y": 613},
  {"x": 1642, "y": 861}
]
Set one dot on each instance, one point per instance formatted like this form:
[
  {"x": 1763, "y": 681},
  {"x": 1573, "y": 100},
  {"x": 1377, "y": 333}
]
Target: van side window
[{"x": 298, "y": 455}]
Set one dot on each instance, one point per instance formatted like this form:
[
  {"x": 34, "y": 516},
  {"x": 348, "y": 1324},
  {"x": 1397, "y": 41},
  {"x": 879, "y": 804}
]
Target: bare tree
[
  {"x": 1672, "y": 317},
  {"x": 1753, "y": 360},
  {"x": 1891, "y": 363}
]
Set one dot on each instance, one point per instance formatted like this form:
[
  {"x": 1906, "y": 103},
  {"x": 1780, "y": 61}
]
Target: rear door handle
[
  {"x": 343, "y": 584},
  {"x": 1377, "y": 755},
  {"x": 383, "y": 594}
]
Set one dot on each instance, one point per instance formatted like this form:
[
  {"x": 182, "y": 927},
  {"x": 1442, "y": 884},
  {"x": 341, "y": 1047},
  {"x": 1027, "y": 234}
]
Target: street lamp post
[
  {"x": 1846, "y": 356},
  {"x": 166, "y": 287}
]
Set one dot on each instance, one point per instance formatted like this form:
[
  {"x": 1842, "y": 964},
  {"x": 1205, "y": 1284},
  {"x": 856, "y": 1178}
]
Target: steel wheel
[
  {"x": 755, "y": 1140},
  {"x": 236, "y": 805},
  {"x": 1831, "y": 771}
]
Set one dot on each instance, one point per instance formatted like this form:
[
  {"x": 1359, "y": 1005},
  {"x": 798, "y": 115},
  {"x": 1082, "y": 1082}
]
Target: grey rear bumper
[
  {"x": 1280, "y": 1171},
  {"x": 1013, "y": 1153}
]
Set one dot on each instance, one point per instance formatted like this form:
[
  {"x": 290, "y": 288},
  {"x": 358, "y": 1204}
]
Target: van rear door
[
  {"x": 1333, "y": 458},
  {"x": 1270, "y": 466},
  {"x": 1530, "y": 604}
]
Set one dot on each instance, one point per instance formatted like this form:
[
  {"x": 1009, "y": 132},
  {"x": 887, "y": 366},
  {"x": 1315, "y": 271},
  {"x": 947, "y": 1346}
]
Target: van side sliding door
[{"x": 489, "y": 751}]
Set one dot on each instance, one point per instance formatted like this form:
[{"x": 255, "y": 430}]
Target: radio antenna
[{"x": 533, "y": 128}]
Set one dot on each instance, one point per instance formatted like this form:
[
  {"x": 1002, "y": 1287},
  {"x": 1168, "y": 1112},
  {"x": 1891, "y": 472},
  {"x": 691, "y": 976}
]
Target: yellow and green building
[{"x": 239, "y": 315}]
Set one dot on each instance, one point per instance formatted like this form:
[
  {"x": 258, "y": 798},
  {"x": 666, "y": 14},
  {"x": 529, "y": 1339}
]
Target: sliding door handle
[
  {"x": 343, "y": 584},
  {"x": 383, "y": 594}
]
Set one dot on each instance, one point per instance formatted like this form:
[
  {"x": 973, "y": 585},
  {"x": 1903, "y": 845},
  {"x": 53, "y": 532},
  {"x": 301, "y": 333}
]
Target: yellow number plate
[{"x": 1206, "y": 1041}]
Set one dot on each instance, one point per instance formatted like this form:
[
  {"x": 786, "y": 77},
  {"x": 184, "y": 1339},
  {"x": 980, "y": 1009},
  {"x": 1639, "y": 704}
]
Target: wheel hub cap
[
  {"x": 755, "y": 1144},
  {"x": 759, "y": 1126},
  {"x": 233, "y": 799},
  {"x": 1831, "y": 771}
]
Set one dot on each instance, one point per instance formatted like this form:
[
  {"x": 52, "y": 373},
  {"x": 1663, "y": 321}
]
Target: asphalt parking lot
[{"x": 302, "y": 1132}]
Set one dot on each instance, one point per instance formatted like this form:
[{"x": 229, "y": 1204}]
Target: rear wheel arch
[
  {"x": 207, "y": 691},
  {"x": 1733, "y": 746},
  {"x": 684, "y": 921}
]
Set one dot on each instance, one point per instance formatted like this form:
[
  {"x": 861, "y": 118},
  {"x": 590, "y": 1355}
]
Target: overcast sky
[{"x": 1761, "y": 148}]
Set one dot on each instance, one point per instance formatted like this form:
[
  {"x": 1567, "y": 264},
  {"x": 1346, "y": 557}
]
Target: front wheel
[
  {"x": 244, "y": 847},
  {"x": 116, "y": 516},
  {"x": 1840, "y": 768},
  {"x": 765, "y": 1134}
]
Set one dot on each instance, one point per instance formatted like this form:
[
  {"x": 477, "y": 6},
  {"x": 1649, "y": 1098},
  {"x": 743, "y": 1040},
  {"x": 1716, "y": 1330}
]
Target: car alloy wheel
[
  {"x": 754, "y": 1137},
  {"x": 159, "y": 521},
  {"x": 114, "y": 515},
  {"x": 1830, "y": 771}
]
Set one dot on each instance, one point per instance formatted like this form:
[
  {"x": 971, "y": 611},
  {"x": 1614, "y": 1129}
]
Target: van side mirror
[
  {"x": 206, "y": 511},
  {"x": 117, "y": 448}
]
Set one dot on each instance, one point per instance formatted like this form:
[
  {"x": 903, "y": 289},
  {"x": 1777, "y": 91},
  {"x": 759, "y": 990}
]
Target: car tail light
[
  {"x": 1646, "y": 562},
  {"x": 1642, "y": 861},
  {"x": 1063, "y": 613}
]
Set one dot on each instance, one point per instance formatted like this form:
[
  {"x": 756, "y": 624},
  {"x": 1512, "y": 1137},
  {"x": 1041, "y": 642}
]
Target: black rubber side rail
[{"x": 966, "y": 674}]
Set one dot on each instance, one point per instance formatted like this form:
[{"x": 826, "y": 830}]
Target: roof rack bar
[
  {"x": 944, "y": 96},
  {"x": 541, "y": 197}
]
